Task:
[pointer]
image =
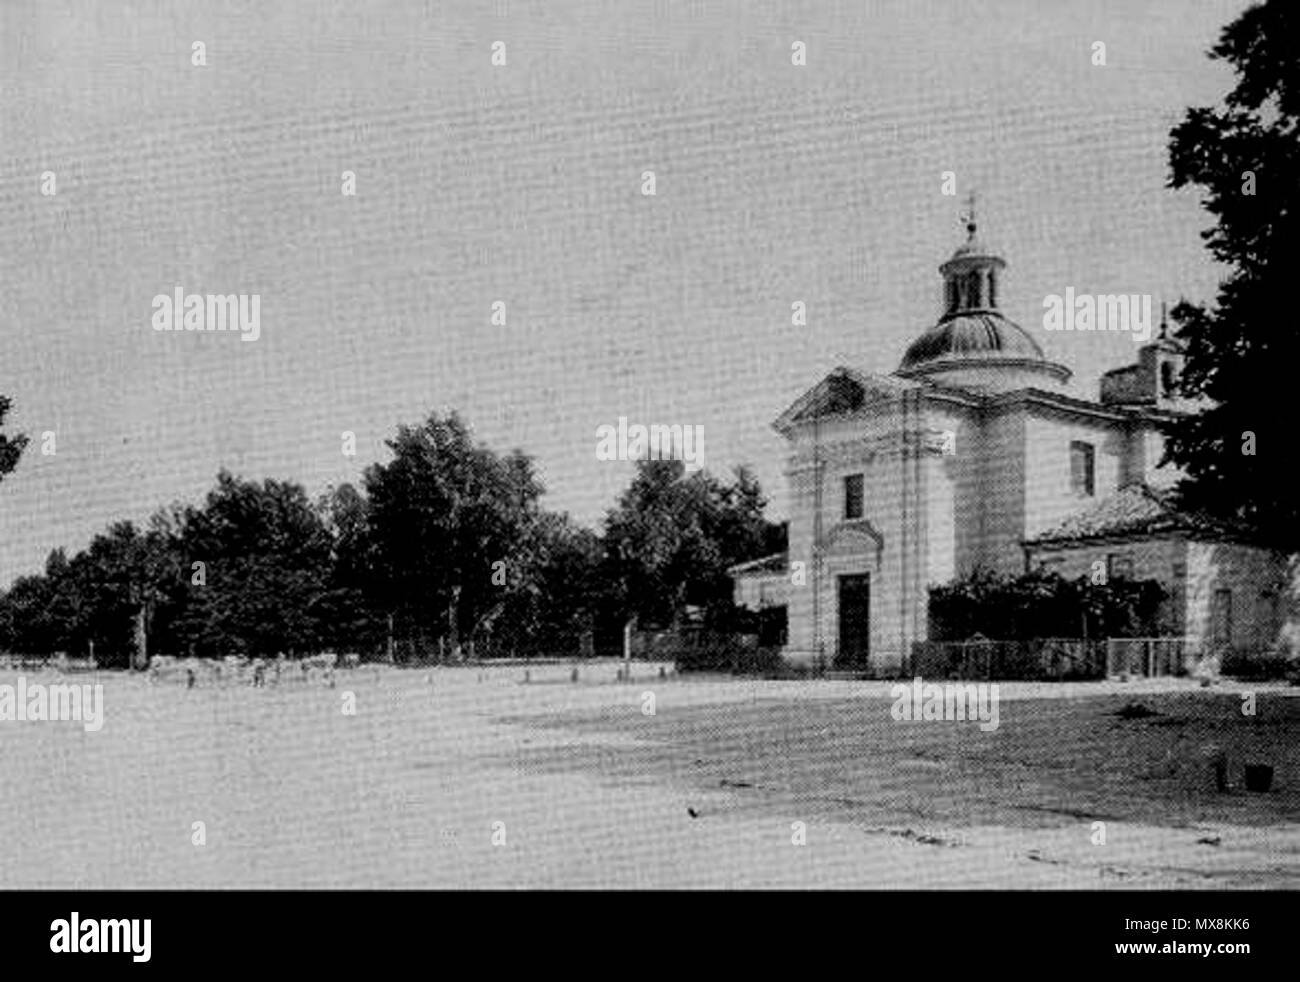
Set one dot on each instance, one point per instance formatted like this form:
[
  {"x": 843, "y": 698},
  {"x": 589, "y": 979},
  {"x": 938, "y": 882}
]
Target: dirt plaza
[{"x": 475, "y": 778}]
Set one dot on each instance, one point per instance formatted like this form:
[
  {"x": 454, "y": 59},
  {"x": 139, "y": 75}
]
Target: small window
[
  {"x": 1082, "y": 468},
  {"x": 853, "y": 496},
  {"x": 1119, "y": 567}
]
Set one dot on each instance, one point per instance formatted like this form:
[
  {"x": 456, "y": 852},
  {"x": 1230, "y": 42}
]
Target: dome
[
  {"x": 971, "y": 335},
  {"x": 973, "y": 345}
]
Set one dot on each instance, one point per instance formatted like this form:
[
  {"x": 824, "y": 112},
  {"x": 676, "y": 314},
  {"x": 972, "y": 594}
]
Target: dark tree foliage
[
  {"x": 1042, "y": 604},
  {"x": 350, "y": 610},
  {"x": 443, "y": 511},
  {"x": 1243, "y": 352},
  {"x": 447, "y": 544},
  {"x": 90, "y": 600},
  {"x": 553, "y": 593},
  {"x": 11, "y": 447},
  {"x": 671, "y": 539},
  {"x": 265, "y": 553}
]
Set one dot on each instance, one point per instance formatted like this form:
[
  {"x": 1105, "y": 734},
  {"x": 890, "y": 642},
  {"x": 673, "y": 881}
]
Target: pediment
[{"x": 842, "y": 392}]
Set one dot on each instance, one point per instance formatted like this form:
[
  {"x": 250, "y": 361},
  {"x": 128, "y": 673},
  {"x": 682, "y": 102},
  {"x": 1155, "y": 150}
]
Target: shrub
[
  {"x": 719, "y": 654},
  {"x": 1253, "y": 665},
  {"x": 738, "y": 654},
  {"x": 1042, "y": 604}
]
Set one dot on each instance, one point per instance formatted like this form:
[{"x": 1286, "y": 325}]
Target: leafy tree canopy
[{"x": 1243, "y": 351}]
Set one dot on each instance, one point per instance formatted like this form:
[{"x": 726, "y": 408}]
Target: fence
[
  {"x": 60, "y": 661},
  {"x": 1153, "y": 657},
  {"x": 421, "y": 651},
  {"x": 1031, "y": 660}
]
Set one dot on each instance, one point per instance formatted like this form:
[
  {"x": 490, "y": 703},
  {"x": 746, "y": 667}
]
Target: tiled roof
[{"x": 1134, "y": 510}]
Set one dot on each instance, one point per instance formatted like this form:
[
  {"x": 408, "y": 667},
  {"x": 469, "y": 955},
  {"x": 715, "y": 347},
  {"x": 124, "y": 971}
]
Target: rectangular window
[
  {"x": 1167, "y": 617},
  {"x": 1221, "y": 617},
  {"x": 1082, "y": 468},
  {"x": 1266, "y": 618},
  {"x": 853, "y": 496}
]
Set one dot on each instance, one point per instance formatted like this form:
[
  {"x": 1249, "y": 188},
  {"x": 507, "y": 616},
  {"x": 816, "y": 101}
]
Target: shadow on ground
[{"x": 1051, "y": 761}]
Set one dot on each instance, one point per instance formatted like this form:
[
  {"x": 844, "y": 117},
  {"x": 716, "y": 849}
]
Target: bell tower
[{"x": 1151, "y": 382}]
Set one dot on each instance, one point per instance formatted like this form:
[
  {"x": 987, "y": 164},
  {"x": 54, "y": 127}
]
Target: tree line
[{"x": 444, "y": 544}]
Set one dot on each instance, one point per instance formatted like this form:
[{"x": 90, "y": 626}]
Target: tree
[
  {"x": 161, "y": 585},
  {"x": 93, "y": 598},
  {"x": 552, "y": 591},
  {"x": 442, "y": 512},
  {"x": 671, "y": 539},
  {"x": 108, "y": 582},
  {"x": 27, "y": 619},
  {"x": 265, "y": 555},
  {"x": 1243, "y": 353},
  {"x": 351, "y": 610},
  {"x": 11, "y": 447}
]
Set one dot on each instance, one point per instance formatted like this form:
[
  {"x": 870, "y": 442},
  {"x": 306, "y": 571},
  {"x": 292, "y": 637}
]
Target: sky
[{"x": 522, "y": 183}]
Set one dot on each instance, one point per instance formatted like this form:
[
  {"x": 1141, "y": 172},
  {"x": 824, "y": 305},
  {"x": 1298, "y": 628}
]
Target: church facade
[{"x": 971, "y": 454}]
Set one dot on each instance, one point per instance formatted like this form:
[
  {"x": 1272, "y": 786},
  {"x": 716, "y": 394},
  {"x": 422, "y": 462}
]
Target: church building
[{"x": 971, "y": 454}]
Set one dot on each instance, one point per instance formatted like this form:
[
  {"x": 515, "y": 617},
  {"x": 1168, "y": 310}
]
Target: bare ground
[{"x": 591, "y": 792}]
